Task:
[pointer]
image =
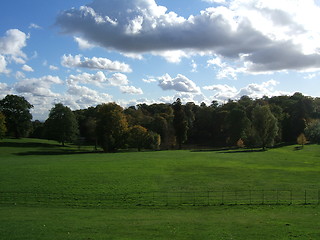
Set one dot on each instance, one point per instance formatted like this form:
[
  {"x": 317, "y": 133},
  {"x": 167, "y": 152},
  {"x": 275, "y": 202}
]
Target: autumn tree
[
  {"x": 17, "y": 114},
  {"x": 265, "y": 125},
  {"x": 138, "y": 137},
  {"x": 112, "y": 126},
  {"x": 301, "y": 139},
  {"x": 61, "y": 124}
]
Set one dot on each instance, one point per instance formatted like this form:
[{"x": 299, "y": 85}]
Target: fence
[{"x": 156, "y": 198}]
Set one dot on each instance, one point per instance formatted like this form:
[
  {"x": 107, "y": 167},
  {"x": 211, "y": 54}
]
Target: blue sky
[{"x": 86, "y": 52}]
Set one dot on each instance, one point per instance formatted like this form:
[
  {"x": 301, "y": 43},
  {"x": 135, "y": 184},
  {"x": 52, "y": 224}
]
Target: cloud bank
[{"x": 263, "y": 35}]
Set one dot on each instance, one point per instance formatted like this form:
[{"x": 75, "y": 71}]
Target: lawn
[{"x": 39, "y": 167}]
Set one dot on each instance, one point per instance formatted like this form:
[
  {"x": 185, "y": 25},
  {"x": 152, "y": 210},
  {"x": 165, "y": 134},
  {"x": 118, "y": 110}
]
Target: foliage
[
  {"x": 313, "y": 131},
  {"x": 240, "y": 143},
  {"x": 112, "y": 126},
  {"x": 17, "y": 113},
  {"x": 265, "y": 126},
  {"x": 138, "y": 137},
  {"x": 180, "y": 123},
  {"x": 3, "y": 128},
  {"x": 301, "y": 139},
  {"x": 61, "y": 124}
]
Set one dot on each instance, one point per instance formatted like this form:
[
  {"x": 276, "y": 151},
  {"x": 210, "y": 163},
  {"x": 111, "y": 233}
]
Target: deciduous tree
[
  {"x": 112, "y": 126},
  {"x": 265, "y": 125},
  {"x": 61, "y": 124},
  {"x": 18, "y": 117}
]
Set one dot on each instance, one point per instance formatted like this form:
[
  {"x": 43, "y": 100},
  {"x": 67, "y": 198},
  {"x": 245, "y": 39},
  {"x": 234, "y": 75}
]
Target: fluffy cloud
[
  {"x": 81, "y": 97},
  {"x": 94, "y": 63},
  {"x": 38, "y": 86},
  {"x": 13, "y": 42},
  {"x": 265, "y": 35},
  {"x": 253, "y": 90},
  {"x": 99, "y": 78},
  {"x": 131, "y": 90},
  {"x": 11, "y": 48},
  {"x": 3, "y": 65},
  {"x": 180, "y": 83},
  {"x": 27, "y": 68}
]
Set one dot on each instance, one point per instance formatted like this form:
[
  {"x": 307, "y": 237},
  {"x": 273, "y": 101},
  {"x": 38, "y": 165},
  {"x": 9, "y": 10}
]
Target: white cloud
[
  {"x": 34, "y": 26},
  {"x": 118, "y": 79},
  {"x": 83, "y": 44},
  {"x": 3, "y": 65},
  {"x": 131, "y": 90},
  {"x": 11, "y": 49},
  {"x": 149, "y": 80},
  {"x": 38, "y": 86},
  {"x": 27, "y": 68},
  {"x": 13, "y": 42},
  {"x": 70, "y": 61},
  {"x": 264, "y": 35},
  {"x": 99, "y": 78},
  {"x": 180, "y": 83},
  {"x": 81, "y": 97},
  {"x": 53, "y": 68},
  {"x": 215, "y": 1},
  {"x": 253, "y": 90},
  {"x": 86, "y": 78}
]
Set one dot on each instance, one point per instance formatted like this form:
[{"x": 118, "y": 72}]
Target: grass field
[{"x": 43, "y": 167}]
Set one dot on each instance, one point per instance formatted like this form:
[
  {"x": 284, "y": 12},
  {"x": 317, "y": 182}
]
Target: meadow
[{"x": 31, "y": 167}]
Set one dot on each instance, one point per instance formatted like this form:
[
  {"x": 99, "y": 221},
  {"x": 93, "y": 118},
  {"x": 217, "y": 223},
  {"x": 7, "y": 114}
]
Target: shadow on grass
[
  {"x": 230, "y": 150},
  {"x": 29, "y": 145},
  {"x": 52, "y": 153}
]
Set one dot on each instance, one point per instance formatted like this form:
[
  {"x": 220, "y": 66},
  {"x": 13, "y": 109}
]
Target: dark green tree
[
  {"x": 180, "y": 123},
  {"x": 3, "y": 128},
  {"x": 313, "y": 131},
  {"x": 17, "y": 113},
  {"x": 237, "y": 124},
  {"x": 265, "y": 126},
  {"x": 61, "y": 124},
  {"x": 112, "y": 126}
]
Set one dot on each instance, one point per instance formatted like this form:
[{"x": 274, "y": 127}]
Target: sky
[{"x": 86, "y": 52}]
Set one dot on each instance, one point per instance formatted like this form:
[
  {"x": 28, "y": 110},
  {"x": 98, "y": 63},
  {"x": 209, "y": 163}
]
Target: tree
[
  {"x": 302, "y": 140},
  {"x": 313, "y": 131},
  {"x": 112, "y": 126},
  {"x": 17, "y": 113},
  {"x": 3, "y": 128},
  {"x": 265, "y": 125},
  {"x": 180, "y": 123},
  {"x": 138, "y": 137},
  {"x": 61, "y": 124}
]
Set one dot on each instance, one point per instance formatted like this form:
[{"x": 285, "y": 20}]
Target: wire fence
[{"x": 157, "y": 198}]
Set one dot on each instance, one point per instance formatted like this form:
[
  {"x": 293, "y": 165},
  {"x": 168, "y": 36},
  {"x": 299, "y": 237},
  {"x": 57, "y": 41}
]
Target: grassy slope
[{"x": 29, "y": 167}]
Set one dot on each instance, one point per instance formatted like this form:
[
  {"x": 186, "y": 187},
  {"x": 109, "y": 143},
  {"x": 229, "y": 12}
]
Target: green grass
[{"x": 40, "y": 166}]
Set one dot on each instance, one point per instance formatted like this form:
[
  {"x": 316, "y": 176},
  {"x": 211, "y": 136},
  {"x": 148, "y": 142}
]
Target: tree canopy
[
  {"x": 61, "y": 124},
  {"x": 17, "y": 114}
]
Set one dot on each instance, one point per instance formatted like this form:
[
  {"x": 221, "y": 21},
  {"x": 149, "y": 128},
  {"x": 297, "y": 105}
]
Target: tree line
[{"x": 246, "y": 122}]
